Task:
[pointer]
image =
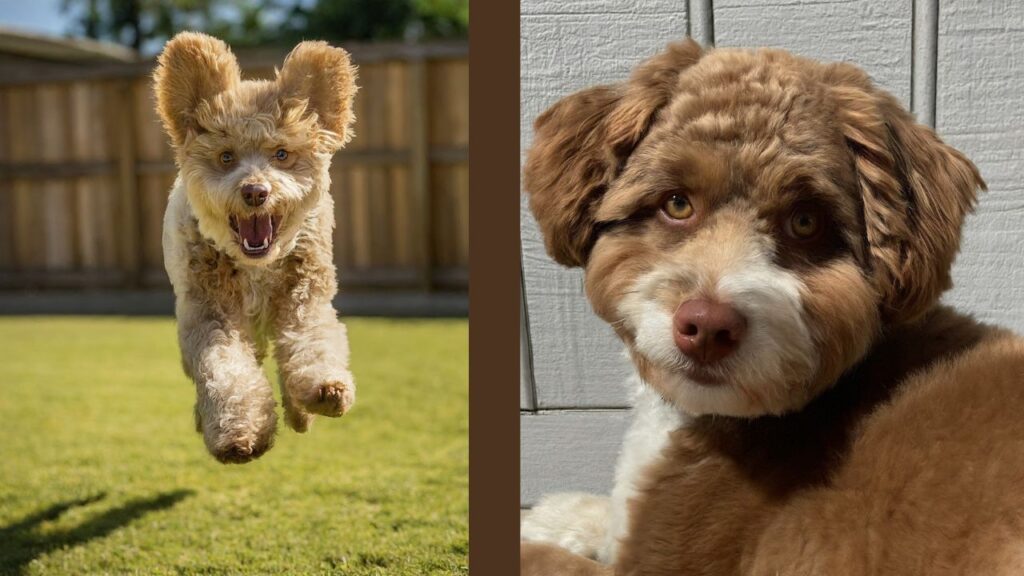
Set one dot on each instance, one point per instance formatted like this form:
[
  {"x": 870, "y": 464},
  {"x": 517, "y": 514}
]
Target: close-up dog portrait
[{"x": 769, "y": 236}]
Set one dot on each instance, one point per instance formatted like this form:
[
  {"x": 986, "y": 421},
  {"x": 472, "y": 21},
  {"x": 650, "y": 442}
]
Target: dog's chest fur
[
  {"x": 249, "y": 295},
  {"x": 714, "y": 503}
]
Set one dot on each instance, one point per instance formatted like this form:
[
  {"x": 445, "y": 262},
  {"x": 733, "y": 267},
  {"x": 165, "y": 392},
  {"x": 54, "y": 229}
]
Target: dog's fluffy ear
[
  {"x": 582, "y": 142},
  {"x": 323, "y": 77},
  {"x": 916, "y": 190},
  {"x": 192, "y": 68}
]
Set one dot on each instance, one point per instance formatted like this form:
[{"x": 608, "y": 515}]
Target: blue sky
[
  {"x": 45, "y": 16},
  {"x": 34, "y": 16}
]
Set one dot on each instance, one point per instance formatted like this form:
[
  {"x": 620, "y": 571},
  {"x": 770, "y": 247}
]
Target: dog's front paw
[
  {"x": 240, "y": 448},
  {"x": 332, "y": 399},
  {"x": 575, "y": 521}
]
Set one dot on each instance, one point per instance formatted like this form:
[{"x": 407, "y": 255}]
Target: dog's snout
[
  {"x": 707, "y": 331},
  {"x": 255, "y": 194}
]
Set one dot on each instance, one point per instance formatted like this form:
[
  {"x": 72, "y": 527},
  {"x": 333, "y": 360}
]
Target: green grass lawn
[{"x": 102, "y": 470}]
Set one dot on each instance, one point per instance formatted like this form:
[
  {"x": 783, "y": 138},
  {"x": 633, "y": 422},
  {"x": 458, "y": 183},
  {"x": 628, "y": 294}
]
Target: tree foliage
[{"x": 145, "y": 24}]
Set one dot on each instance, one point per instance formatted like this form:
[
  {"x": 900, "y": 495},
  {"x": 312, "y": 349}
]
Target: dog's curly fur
[
  {"x": 280, "y": 134},
  {"x": 859, "y": 427}
]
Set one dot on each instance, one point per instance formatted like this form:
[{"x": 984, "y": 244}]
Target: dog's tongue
[{"x": 256, "y": 230}]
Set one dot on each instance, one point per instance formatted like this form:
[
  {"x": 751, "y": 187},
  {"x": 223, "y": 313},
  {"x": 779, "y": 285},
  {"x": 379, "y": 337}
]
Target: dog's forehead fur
[
  {"x": 755, "y": 128},
  {"x": 755, "y": 125},
  {"x": 254, "y": 115}
]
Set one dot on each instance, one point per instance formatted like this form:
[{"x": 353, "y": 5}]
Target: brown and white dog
[{"x": 769, "y": 236}]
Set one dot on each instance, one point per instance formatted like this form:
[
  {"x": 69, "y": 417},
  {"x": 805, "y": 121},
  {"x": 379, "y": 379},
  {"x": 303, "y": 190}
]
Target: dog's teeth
[{"x": 246, "y": 244}]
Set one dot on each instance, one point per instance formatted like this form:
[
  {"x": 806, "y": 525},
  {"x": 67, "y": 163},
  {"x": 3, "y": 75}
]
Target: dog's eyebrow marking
[{"x": 605, "y": 226}]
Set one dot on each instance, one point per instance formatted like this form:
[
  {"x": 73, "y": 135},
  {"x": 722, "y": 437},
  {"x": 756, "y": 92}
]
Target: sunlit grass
[{"x": 102, "y": 471}]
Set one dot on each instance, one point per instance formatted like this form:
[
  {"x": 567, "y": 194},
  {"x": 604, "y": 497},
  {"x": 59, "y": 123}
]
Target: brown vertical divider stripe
[{"x": 494, "y": 290}]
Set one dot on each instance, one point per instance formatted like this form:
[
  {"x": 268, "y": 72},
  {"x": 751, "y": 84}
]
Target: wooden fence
[{"x": 85, "y": 171}]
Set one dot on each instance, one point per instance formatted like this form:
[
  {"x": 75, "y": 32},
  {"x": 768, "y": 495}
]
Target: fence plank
[
  {"x": 128, "y": 220},
  {"x": 25, "y": 144},
  {"x": 359, "y": 217},
  {"x": 56, "y": 196},
  {"x": 419, "y": 170},
  {"x": 85, "y": 142},
  {"x": 402, "y": 218},
  {"x": 448, "y": 87},
  {"x": 6, "y": 188}
]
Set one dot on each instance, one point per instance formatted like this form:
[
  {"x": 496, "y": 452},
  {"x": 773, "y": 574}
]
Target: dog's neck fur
[
  {"x": 796, "y": 450},
  {"x": 721, "y": 478}
]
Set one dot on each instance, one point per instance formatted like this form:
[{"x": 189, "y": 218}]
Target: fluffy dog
[
  {"x": 769, "y": 236},
  {"x": 247, "y": 235}
]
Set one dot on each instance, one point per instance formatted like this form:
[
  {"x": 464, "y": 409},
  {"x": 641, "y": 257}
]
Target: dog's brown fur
[
  {"x": 548, "y": 560},
  {"x": 865, "y": 467},
  {"x": 900, "y": 453}
]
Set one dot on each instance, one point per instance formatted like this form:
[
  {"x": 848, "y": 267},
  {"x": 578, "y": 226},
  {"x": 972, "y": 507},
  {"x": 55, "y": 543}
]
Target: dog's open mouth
[{"x": 255, "y": 233}]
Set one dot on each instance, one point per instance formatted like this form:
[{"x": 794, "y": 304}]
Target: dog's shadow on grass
[{"x": 20, "y": 543}]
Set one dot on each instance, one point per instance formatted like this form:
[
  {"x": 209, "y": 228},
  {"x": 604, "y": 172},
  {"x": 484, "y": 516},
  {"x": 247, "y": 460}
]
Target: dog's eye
[
  {"x": 281, "y": 154},
  {"x": 804, "y": 224},
  {"x": 678, "y": 207},
  {"x": 227, "y": 158}
]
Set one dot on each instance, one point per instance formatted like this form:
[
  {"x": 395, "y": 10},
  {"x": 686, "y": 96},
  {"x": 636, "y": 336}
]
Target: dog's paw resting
[
  {"x": 574, "y": 521},
  {"x": 546, "y": 560}
]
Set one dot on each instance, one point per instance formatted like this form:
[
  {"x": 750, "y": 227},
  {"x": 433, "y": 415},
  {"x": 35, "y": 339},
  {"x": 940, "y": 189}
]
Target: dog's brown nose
[
  {"x": 255, "y": 194},
  {"x": 707, "y": 331}
]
